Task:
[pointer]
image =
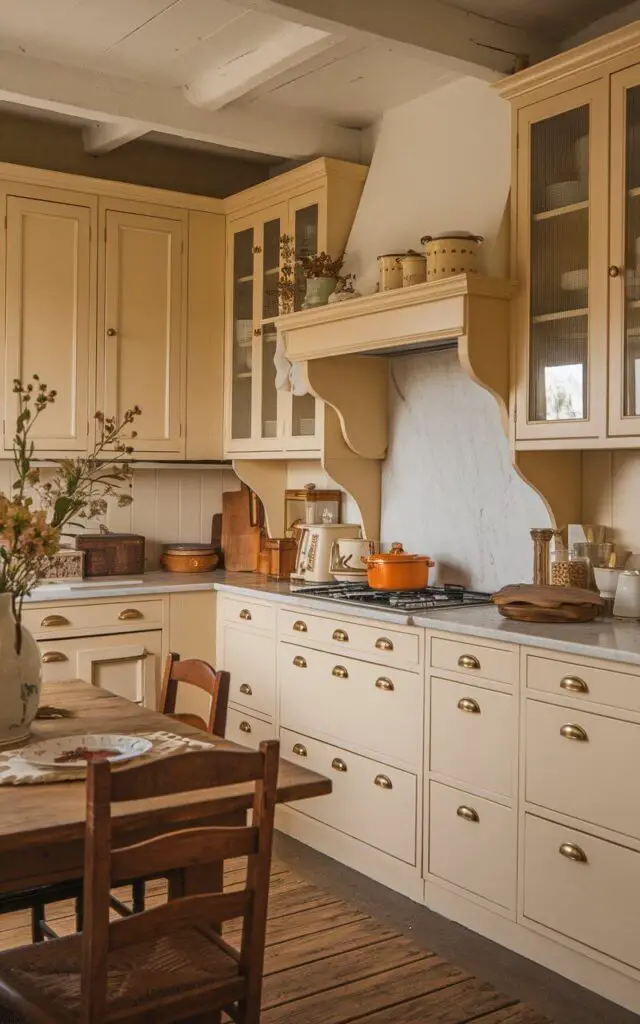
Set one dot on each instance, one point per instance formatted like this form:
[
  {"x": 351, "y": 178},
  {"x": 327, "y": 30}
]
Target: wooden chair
[
  {"x": 201, "y": 674},
  {"x": 170, "y": 963}
]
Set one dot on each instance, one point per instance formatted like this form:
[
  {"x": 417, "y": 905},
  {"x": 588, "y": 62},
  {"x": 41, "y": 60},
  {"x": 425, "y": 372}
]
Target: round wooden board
[{"x": 565, "y": 613}]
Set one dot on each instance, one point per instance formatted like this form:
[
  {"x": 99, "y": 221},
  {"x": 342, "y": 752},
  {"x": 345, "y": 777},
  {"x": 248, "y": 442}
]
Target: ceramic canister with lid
[
  {"x": 451, "y": 253},
  {"x": 627, "y": 602},
  {"x": 390, "y": 271},
  {"x": 414, "y": 269}
]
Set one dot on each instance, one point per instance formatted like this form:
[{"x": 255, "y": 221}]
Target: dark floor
[{"x": 549, "y": 993}]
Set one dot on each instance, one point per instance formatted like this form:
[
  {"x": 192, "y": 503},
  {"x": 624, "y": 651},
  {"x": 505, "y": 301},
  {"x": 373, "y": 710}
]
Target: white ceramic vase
[
  {"x": 20, "y": 678},
  {"x": 318, "y": 291}
]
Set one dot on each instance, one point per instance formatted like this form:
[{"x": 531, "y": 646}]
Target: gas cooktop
[{"x": 448, "y": 596}]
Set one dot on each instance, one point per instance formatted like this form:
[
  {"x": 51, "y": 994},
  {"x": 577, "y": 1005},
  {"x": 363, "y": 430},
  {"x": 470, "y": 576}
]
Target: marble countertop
[{"x": 611, "y": 639}]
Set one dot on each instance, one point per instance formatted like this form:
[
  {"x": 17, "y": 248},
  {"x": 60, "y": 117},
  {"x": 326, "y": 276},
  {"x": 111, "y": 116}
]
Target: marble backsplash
[{"x": 448, "y": 486}]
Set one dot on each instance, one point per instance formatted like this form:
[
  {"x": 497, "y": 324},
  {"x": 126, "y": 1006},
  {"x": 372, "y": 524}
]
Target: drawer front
[
  {"x": 249, "y": 615},
  {"x": 594, "y": 898},
  {"x": 470, "y": 658},
  {"x": 380, "y": 643},
  {"x": 63, "y": 618},
  {"x": 250, "y": 661},
  {"x": 245, "y": 729},
  {"x": 127, "y": 664},
  {"x": 570, "y": 679},
  {"x": 583, "y": 765},
  {"x": 369, "y": 801},
  {"x": 352, "y": 702},
  {"x": 472, "y": 843},
  {"x": 473, "y": 736}
]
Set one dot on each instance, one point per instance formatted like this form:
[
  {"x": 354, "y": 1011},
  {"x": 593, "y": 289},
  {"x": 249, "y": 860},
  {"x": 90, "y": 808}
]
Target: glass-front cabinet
[{"x": 561, "y": 360}]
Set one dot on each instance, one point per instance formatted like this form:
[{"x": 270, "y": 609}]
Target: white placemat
[{"x": 15, "y": 771}]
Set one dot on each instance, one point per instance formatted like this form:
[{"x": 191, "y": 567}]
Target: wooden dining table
[{"x": 42, "y": 825}]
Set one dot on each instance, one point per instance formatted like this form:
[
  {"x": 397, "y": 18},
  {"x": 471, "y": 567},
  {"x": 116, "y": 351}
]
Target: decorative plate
[{"x": 58, "y": 753}]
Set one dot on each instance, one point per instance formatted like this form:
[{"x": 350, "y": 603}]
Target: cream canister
[
  {"x": 390, "y": 271},
  {"x": 414, "y": 269},
  {"x": 627, "y": 601}
]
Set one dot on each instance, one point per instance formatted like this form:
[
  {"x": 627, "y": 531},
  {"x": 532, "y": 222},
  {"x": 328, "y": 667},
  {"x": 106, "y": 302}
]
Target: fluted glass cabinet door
[
  {"x": 561, "y": 322},
  {"x": 624, "y": 413},
  {"x": 243, "y": 288}
]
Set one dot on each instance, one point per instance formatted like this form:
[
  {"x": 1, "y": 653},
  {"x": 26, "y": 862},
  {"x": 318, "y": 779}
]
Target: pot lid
[
  {"x": 396, "y": 558},
  {"x": 388, "y": 255},
  {"x": 189, "y": 549},
  {"x": 452, "y": 234}
]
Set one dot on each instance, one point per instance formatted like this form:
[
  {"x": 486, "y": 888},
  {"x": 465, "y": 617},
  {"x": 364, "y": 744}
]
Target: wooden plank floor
[{"x": 329, "y": 963}]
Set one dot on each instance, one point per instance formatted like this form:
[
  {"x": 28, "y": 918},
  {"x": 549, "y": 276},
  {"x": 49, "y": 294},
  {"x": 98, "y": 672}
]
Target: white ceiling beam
[
  {"x": 424, "y": 29},
  {"x": 105, "y": 136},
  {"x": 94, "y": 96},
  {"x": 288, "y": 48}
]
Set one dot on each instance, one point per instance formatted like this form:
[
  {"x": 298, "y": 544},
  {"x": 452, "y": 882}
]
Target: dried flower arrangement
[
  {"x": 321, "y": 264},
  {"x": 287, "y": 276}
]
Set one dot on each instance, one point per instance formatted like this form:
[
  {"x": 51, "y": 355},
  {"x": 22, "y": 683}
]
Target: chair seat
[
  {"x": 189, "y": 719},
  {"x": 48, "y": 974}
]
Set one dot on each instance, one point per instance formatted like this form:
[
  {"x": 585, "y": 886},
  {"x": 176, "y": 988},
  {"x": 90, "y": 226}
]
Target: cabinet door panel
[
  {"x": 50, "y": 313},
  {"x": 126, "y": 665},
  {"x": 144, "y": 325}
]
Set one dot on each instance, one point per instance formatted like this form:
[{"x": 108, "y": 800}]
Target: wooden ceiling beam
[{"x": 105, "y": 136}]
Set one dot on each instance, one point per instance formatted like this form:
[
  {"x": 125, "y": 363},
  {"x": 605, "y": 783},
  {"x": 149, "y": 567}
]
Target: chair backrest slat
[
  {"x": 183, "y": 773},
  {"x": 182, "y": 850},
  {"x": 188, "y": 912},
  {"x": 202, "y": 675}
]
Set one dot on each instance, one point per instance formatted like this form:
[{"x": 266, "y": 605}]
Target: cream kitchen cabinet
[
  {"x": 576, "y": 223},
  {"x": 314, "y": 204},
  {"x": 246, "y": 648}
]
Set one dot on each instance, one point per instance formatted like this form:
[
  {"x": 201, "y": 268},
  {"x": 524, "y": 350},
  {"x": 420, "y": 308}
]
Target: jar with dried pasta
[{"x": 569, "y": 571}]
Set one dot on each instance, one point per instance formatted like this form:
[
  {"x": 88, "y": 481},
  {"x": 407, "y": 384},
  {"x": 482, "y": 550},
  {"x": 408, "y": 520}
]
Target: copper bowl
[{"x": 189, "y": 558}]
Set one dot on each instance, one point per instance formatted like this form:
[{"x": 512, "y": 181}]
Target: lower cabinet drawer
[
  {"x": 472, "y": 844},
  {"x": 352, "y": 702},
  {"x": 250, "y": 661},
  {"x": 127, "y": 664},
  {"x": 245, "y": 729},
  {"x": 370, "y": 801},
  {"x": 583, "y": 887},
  {"x": 380, "y": 643},
  {"x": 473, "y": 736},
  {"x": 248, "y": 614},
  {"x": 583, "y": 765},
  {"x": 466, "y": 656}
]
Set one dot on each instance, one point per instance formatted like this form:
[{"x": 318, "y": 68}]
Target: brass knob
[
  {"x": 128, "y": 614},
  {"x": 299, "y": 749},
  {"x": 245, "y": 688},
  {"x": 300, "y": 626},
  {"x": 468, "y": 661},
  {"x": 383, "y": 781},
  {"x": 468, "y": 813},
  {"x": 340, "y": 672},
  {"x": 384, "y": 644},
  {"x": 245, "y": 614},
  {"x": 256, "y": 249},
  {"x": 339, "y": 764},
  {"x": 384, "y": 684},
  {"x": 50, "y": 656},
  {"x": 574, "y": 684},
  {"x": 573, "y": 852},
  {"x": 257, "y": 332},
  {"x": 574, "y": 732},
  {"x": 341, "y": 636},
  {"x": 299, "y": 662},
  {"x": 111, "y": 332},
  {"x": 615, "y": 271},
  {"x": 469, "y": 705},
  {"x": 55, "y": 620},
  {"x": 244, "y": 727}
]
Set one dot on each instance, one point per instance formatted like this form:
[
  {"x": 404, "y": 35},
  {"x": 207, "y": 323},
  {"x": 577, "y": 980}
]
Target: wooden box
[
  {"x": 112, "y": 554},
  {"x": 282, "y": 557}
]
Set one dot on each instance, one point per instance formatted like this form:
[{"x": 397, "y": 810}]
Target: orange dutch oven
[{"x": 397, "y": 570}]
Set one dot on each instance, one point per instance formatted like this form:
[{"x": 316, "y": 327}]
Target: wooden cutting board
[
  {"x": 563, "y": 613},
  {"x": 241, "y": 535}
]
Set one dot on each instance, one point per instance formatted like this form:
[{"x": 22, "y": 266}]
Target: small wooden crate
[{"x": 112, "y": 554}]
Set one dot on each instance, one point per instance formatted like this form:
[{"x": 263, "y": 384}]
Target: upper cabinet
[
  {"x": 576, "y": 204},
  {"x": 316, "y": 205}
]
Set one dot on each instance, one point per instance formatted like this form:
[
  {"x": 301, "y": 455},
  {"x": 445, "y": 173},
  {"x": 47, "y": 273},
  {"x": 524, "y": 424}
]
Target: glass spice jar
[{"x": 567, "y": 570}]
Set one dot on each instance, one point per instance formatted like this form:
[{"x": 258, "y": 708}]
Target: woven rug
[{"x": 329, "y": 963}]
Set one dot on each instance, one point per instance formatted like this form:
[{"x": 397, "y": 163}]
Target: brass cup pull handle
[
  {"x": 470, "y": 705},
  {"x": 299, "y": 662},
  {"x": 245, "y": 688},
  {"x": 340, "y": 635},
  {"x": 383, "y": 781},
  {"x": 339, "y": 764},
  {"x": 384, "y": 644},
  {"x": 574, "y": 732},
  {"x": 55, "y": 620},
  {"x": 573, "y": 852},
  {"x": 244, "y": 727},
  {"x": 245, "y": 614},
  {"x": 49, "y": 657},
  {"x": 574, "y": 684},
  {"x": 468, "y": 661},
  {"x": 384, "y": 684},
  {"x": 340, "y": 672},
  {"x": 299, "y": 749},
  {"x": 300, "y": 626},
  {"x": 129, "y": 614},
  {"x": 468, "y": 813}
]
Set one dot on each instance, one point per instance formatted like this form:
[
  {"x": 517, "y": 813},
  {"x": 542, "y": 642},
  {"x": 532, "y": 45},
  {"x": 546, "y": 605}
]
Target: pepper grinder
[{"x": 541, "y": 555}]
